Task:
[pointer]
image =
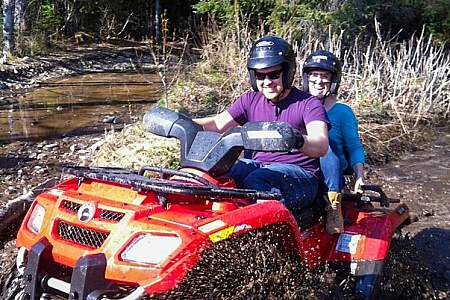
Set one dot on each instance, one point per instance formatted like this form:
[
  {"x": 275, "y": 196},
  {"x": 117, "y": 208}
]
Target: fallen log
[{"x": 13, "y": 212}]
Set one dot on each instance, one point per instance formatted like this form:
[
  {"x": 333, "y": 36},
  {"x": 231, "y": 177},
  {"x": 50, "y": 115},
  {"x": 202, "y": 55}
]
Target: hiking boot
[{"x": 335, "y": 221}]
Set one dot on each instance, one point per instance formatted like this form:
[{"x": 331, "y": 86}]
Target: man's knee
[
  {"x": 258, "y": 179},
  {"x": 241, "y": 170}
]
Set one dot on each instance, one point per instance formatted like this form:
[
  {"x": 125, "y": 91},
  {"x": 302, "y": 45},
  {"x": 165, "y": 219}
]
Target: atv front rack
[{"x": 136, "y": 180}]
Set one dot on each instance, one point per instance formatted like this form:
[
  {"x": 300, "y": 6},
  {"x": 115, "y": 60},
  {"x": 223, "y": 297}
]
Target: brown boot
[{"x": 335, "y": 221}]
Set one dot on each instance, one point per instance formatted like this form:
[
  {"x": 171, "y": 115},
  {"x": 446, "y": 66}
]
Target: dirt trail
[{"x": 422, "y": 181}]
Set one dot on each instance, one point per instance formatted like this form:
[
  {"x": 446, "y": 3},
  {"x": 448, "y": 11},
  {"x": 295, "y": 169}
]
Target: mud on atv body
[{"x": 109, "y": 233}]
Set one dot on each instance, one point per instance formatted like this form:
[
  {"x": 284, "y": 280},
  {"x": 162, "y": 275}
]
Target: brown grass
[
  {"x": 134, "y": 148},
  {"x": 393, "y": 88}
]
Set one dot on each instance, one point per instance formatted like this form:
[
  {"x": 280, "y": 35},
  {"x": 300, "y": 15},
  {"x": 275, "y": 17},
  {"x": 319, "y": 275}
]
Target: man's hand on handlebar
[{"x": 299, "y": 140}]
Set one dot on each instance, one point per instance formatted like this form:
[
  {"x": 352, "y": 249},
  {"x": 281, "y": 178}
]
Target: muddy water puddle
[
  {"x": 85, "y": 103},
  {"x": 422, "y": 181}
]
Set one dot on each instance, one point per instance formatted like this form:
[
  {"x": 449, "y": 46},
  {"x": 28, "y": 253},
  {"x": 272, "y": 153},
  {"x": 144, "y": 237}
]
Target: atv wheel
[
  {"x": 404, "y": 275},
  {"x": 13, "y": 288},
  {"x": 368, "y": 287},
  {"x": 11, "y": 282}
]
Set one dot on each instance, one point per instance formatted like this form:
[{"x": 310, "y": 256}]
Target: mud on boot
[{"x": 335, "y": 221}]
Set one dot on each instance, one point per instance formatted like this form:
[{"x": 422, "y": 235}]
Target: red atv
[{"x": 111, "y": 233}]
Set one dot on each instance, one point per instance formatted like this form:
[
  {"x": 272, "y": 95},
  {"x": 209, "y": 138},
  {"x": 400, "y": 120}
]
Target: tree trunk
[
  {"x": 71, "y": 18},
  {"x": 237, "y": 10},
  {"x": 19, "y": 16},
  {"x": 8, "y": 29},
  {"x": 158, "y": 21}
]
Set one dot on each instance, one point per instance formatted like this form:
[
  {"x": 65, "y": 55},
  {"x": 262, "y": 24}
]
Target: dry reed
[
  {"x": 134, "y": 148},
  {"x": 392, "y": 87}
]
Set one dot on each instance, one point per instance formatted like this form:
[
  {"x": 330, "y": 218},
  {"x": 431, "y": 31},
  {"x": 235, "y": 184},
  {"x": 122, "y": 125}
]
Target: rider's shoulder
[{"x": 344, "y": 107}]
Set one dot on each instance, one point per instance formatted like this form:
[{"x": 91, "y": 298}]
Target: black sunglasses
[{"x": 271, "y": 75}]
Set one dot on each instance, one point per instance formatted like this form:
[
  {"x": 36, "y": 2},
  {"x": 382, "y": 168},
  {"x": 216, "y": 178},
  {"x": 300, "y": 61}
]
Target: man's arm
[
  {"x": 316, "y": 139},
  {"x": 218, "y": 123}
]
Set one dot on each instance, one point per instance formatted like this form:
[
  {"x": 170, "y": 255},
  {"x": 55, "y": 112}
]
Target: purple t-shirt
[{"x": 297, "y": 109}]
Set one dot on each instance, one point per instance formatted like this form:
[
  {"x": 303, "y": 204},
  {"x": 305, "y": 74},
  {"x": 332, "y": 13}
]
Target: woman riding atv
[{"x": 321, "y": 78}]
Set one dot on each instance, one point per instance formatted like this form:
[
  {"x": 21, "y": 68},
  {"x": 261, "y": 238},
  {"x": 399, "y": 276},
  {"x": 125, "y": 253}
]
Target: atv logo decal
[
  {"x": 264, "y": 44},
  {"x": 242, "y": 227},
  {"x": 348, "y": 243},
  {"x": 318, "y": 58},
  {"x": 86, "y": 212}
]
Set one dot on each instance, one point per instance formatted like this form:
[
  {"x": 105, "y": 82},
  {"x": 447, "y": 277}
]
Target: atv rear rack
[
  {"x": 362, "y": 199},
  {"x": 136, "y": 180}
]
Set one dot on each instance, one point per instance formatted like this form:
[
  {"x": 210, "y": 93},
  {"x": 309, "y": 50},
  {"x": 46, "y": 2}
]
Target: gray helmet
[
  {"x": 323, "y": 60},
  {"x": 270, "y": 51}
]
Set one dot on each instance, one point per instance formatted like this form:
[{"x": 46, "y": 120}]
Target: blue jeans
[
  {"x": 332, "y": 171},
  {"x": 297, "y": 186}
]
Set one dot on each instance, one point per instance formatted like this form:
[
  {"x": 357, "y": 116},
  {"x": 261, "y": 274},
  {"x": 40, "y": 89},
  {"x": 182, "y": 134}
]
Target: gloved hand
[
  {"x": 359, "y": 182},
  {"x": 299, "y": 140}
]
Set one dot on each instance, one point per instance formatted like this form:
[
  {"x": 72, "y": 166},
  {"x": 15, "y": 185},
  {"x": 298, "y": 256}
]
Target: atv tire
[
  {"x": 13, "y": 288},
  {"x": 11, "y": 282},
  {"x": 405, "y": 276},
  {"x": 13, "y": 212}
]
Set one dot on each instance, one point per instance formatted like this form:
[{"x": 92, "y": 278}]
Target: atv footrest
[{"x": 309, "y": 216}]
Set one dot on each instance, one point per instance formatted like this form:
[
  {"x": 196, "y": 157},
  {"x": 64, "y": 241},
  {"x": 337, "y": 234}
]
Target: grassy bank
[{"x": 396, "y": 90}]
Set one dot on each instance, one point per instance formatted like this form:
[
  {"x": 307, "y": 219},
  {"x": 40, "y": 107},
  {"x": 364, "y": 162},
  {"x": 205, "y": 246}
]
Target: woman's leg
[
  {"x": 332, "y": 171},
  {"x": 333, "y": 177}
]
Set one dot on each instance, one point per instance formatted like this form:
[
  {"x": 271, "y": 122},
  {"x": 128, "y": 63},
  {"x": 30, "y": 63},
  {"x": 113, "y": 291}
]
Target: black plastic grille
[
  {"x": 110, "y": 215},
  {"x": 69, "y": 205},
  {"x": 105, "y": 214},
  {"x": 82, "y": 236}
]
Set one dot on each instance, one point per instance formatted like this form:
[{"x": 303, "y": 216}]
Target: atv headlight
[
  {"x": 36, "y": 219},
  {"x": 151, "y": 248}
]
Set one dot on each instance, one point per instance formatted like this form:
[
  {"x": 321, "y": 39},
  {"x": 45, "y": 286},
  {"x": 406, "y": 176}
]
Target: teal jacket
[{"x": 343, "y": 135}]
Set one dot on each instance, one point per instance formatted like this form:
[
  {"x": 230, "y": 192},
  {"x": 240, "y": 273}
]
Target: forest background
[{"x": 395, "y": 54}]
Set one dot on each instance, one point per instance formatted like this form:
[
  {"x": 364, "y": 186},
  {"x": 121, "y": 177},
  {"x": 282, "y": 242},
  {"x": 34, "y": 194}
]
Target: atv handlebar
[
  {"x": 362, "y": 198},
  {"x": 216, "y": 153}
]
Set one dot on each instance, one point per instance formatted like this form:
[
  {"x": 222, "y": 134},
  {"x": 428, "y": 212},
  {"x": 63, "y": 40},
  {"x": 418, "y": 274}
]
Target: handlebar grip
[
  {"x": 299, "y": 139},
  {"x": 383, "y": 199}
]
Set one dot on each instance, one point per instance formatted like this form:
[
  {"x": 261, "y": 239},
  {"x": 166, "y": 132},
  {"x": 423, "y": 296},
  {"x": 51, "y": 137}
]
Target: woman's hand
[{"x": 359, "y": 182}]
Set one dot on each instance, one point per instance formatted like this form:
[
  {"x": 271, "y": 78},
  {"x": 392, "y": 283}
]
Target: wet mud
[
  {"x": 422, "y": 181},
  {"x": 253, "y": 268},
  {"x": 75, "y": 104}
]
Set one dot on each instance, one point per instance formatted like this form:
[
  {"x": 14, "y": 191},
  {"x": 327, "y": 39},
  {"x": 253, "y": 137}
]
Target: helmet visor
[{"x": 264, "y": 62}]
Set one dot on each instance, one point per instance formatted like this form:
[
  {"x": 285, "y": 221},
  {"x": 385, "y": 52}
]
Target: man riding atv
[
  {"x": 114, "y": 233},
  {"x": 295, "y": 174}
]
